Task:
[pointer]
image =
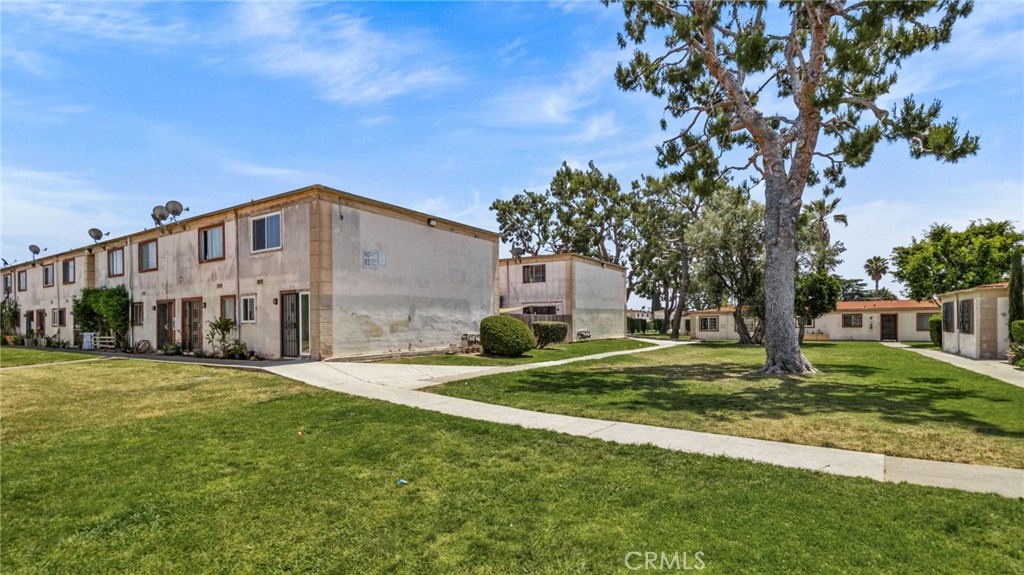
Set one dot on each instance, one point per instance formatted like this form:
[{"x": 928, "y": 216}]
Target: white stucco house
[
  {"x": 586, "y": 293},
  {"x": 975, "y": 321},
  {"x": 882, "y": 320},
  {"x": 314, "y": 272}
]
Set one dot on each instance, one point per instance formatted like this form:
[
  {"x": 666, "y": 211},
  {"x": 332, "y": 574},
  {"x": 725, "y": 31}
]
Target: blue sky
[{"x": 111, "y": 108}]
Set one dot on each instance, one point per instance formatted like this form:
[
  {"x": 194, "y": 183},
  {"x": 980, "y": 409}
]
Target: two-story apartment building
[{"x": 313, "y": 272}]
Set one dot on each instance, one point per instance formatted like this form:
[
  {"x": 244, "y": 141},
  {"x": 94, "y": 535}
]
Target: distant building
[
  {"x": 640, "y": 314},
  {"x": 586, "y": 293},
  {"x": 975, "y": 321},
  {"x": 313, "y": 272},
  {"x": 883, "y": 320}
]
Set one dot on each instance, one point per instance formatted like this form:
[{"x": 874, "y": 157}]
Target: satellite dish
[
  {"x": 160, "y": 213},
  {"x": 95, "y": 234},
  {"x": 517, "y": 252},
  {"x": 175, "y": 208},
  {"x": 34, "y": 249}
]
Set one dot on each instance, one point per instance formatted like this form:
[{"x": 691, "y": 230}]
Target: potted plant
[{"x": 239, "y": 350}]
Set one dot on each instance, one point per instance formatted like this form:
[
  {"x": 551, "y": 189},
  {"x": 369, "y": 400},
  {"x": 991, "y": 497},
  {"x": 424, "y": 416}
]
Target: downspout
[
  {"x": 126, "y": 262},
  {"x": 238, "y": 281}
]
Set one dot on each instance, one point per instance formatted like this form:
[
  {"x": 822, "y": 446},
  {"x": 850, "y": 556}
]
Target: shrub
[
  {"x": 1017, "y": 331},
  {"x": 550, "y": 332},
  {"x": 218, "y": 334},
  {"x": 935, "y": 328},
  {"x": 505, "y": 336}
]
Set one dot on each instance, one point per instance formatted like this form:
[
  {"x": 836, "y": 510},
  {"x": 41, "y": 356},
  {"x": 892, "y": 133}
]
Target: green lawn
[
  {"x": 922, "y": 345},
  {"x": 868, "y": 398},
  {"x": 138, "y": 467},
  {"x": 12, "y": 357},
  {"x": 551, "y": 353}
]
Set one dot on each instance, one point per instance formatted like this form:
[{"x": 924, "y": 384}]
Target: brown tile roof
[{"x": 887, "y": 305}]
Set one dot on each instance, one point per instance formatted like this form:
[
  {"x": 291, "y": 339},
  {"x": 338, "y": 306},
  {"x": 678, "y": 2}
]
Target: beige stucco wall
[
  {"x": 830, "y": 323},
  {"x": 433, "y": 285},
  {"x": 726, "y": 327},
  {"x": 599, "y": 299},
  {"x": 552, "y": 291},
  {"x": 59, "y": 295},
  {"x": 990, "y": 333}
]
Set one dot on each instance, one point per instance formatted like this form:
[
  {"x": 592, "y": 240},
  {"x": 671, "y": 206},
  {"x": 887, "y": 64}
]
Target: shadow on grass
[{"x": 915, "y": 400}]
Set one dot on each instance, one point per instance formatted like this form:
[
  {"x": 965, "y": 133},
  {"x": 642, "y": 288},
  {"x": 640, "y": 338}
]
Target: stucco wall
[
  {"x": 990, "y": 311},
  {"x": 831, "y": 324},
  {"x": 59, "y": 295},
  {"x": 726, "y": 327},
  {"x": 431, "y": 286},
  {"x": 552, "y": 291},
  {"x": 599, "y": 302}
]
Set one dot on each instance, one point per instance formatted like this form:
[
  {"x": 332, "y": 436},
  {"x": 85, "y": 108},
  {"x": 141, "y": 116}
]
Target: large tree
[
  {"x": 946, "y": 260},
  {"x": 876, "y": 267},
  {"x": 829, "y": 62}
]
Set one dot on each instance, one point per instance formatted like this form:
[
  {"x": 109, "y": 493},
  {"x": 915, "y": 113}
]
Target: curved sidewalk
[{"x": 399, "y": 384}]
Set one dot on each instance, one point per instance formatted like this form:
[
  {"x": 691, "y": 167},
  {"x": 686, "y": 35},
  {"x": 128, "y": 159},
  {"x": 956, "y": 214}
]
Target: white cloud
[
  {"x": 341, "y": 55},
  {"x": 116, "y": 21},
  {"x": 262, "y": 171}
]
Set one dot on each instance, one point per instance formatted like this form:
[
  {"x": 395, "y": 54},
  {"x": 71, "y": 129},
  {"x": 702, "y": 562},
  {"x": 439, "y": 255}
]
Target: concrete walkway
[
  {"x": 997, "y": 369},
  {"x": 399, "y": 383}
]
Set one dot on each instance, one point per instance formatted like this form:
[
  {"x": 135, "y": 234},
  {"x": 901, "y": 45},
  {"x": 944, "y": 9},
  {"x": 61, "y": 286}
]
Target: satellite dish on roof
[
  {"x": 34, "y": 249},
  {"x": 96, "y": 234},
  {"x": 175, "y": 208},
  {"x": 160, "y": 213},
  {"x": 517, "y": 252}
]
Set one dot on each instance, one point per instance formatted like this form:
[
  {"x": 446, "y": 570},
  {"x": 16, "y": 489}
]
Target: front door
[
  {"x": 290, "y": 324},
  {"x": 164, "y": 323},
  {"x": 890, "y": 331},
  {"x": 191, "y": 324}
]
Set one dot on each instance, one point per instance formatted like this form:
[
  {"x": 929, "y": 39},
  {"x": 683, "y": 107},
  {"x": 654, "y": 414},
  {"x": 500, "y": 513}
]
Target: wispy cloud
[
  {"x": 262, "y": 171},
  {"x": 117, "y": 21},
  {"x": 340, "y": 54}
]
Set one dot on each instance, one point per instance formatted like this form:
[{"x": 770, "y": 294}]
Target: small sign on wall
[{"x": 374, "y": 259}]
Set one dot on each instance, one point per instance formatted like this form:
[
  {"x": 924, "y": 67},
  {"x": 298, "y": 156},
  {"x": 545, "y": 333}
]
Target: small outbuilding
[{"x": 975, "y": 321}]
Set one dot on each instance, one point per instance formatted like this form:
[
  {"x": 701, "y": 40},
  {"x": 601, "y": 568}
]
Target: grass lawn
[
  {"x": 656, "y": 335},
  {"x": 868, "y": 398},
  {"x": 12, "y": 357},
  {"x": 550, "y": 353},
  {"x": 922, "y": 345},
  {"x": 138, "y": 467}
]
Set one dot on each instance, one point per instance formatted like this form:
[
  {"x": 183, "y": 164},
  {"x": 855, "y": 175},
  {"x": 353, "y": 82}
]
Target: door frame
[
  {"x": 895, "y": 326},
  {"x": 184, "y": 305},
  {"x": 304, "y": 317},
  {"x": 298, "y": 344},
  {"x": 170, "y": 332}
]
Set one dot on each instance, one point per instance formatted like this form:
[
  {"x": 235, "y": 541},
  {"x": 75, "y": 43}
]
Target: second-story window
[
  {"x": 147, "y": 256},
  {"x": 211, "y": 243},
  {"x": 115, "y": 262},
  {"x": 8, "y": 283},
  {"x": 534, "y": 274},
  {"x": 69, "y": 271},
  {"x": 266, "y": 233},
  {"x": 48, "y": 275},
  {"x": 22, "y": 280}
]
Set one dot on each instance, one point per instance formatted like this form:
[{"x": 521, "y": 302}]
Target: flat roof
[
  {"x": 562, "y": 257},
  {"x": 982, "y": 287}
]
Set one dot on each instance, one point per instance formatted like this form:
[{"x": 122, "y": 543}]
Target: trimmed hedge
[
  {"x": 505, "y": 336},
  {"x": 549, "y": 332},
  {"x": 935, "y": 328},
  {"x": 636, "y": 325},
  {"x": 1017, "y": 331}
]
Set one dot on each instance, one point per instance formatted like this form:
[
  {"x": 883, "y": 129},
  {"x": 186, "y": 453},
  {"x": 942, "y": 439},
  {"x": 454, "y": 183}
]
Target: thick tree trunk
[
  {"x": 781, "y": 210},
  {"x": 684, "y": 289},
  {"x": 741, "y": 326}
]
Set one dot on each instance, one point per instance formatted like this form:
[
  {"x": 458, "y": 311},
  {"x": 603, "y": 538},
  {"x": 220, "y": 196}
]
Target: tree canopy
[
  {"x": 946, "y": 260},
  {"x": 824, "y": 67}
]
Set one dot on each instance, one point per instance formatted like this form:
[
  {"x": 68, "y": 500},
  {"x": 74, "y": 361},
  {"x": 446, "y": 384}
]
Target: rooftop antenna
[{"x": 96, "y": 234}]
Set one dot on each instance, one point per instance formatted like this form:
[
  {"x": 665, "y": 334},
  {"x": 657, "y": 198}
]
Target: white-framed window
[
  {"x": 68, "y": 268},
  {"x": 48, "y": 275},
  {"x": 211, "y": 243},
  {"x": 248, "y": 309},
  {"x": 53, "y": 317},
  {"x": 708, "y": 323},
  {"x": 115, "y": 262},
  {"x": 148, "y": 256},
  {"x": 534, "y": 274},
  {"x": 266, "y": 233}
]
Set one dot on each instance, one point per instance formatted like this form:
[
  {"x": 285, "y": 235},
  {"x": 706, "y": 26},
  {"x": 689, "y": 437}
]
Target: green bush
[
  {"x": 1017, "y": 331},
  {"x": 505, "y": 336},
  {"x": 935, "y": 328},
  {"x": 656, "y": 324},
  {"x": 550, "y": 332}
]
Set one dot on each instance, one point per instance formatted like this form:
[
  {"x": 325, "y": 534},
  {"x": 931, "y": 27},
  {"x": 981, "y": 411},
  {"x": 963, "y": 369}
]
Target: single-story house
[
  {"x": 875, "y": 320},
  {"x": 975, "y": 321},
  {"x": 313, "y": 272},
  {"x": 586, "y": 293}
]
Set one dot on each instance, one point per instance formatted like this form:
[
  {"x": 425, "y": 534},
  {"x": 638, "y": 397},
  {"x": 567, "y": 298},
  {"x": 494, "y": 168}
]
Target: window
[
  {"x": 8, "y": 283},
  {"x": 709, "y": 323},
  {"x": 922, "y": 321},
  {"x": 115, "y": 263},
  {"x": 853, "y": 320},
  {"x": 147, "y": 256},
  {"x": 53, "y": 317},
  {"x": 227, "y": 307},
  {"x": 69, "y": 271},
  {"x": 48, "y": 275},
  {"x": 808, "y": 323},
  {"x": 966, "y": 323},
  {"x": 22, "y": 280},
  {"x": 534, "y": 274},
  {"x": 211, "y": 243},
  {"x": 266, "y": 233},
  {"x": 248, "y": 309},
  {"x": 137, "y": 313},
  {"x": 947, "y": 317},
  {"x": 540, "y": 310},
  {"x": 59, "y": 317}
]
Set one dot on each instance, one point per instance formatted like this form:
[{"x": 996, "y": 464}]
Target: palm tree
[
  {"x": 876, "y": 267},
  {"x": 815, "y": 217}
]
